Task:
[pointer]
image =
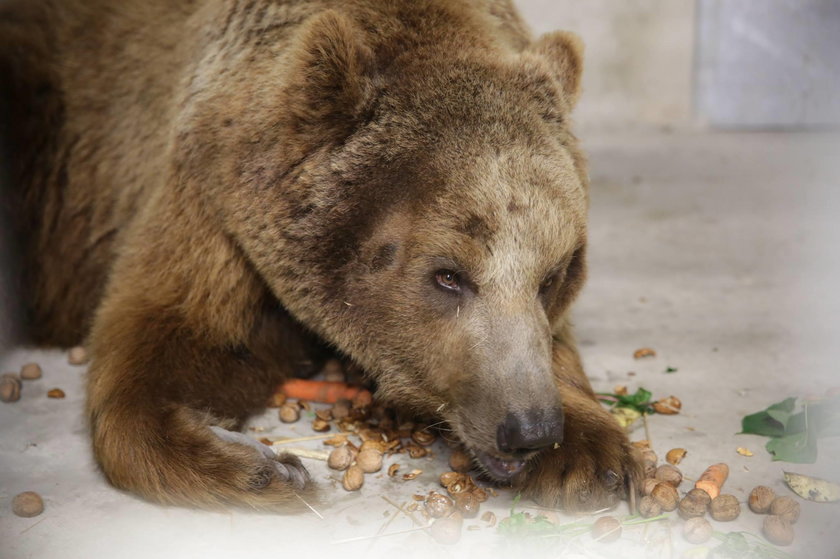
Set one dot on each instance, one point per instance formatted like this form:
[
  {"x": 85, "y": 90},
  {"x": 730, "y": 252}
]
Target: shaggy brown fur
[{"x": 211, "y": 193}]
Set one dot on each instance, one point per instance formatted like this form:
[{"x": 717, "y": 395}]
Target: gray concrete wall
[
  {"x": 721, "y": 63},
  {"x": 768, "y": 63},
  {"x": 639, "y": 58}
]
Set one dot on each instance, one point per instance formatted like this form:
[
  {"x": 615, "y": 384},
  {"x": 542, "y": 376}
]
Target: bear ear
[
  {"x": 563, "y": 51},
  {"x": 330, "y": 82}
]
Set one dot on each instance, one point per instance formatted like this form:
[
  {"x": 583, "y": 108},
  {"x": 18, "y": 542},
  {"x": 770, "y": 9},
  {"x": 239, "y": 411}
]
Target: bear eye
[
  {"x": 547, "y": 283},
  {"x": 448, "y": 280}
]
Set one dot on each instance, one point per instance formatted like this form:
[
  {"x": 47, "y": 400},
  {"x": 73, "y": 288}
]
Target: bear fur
[{"x": 215, "y": 196}]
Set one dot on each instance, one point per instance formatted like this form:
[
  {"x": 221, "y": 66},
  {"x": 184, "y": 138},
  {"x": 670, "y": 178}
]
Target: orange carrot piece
[
  {"x": 713, "y": 479},
  {"x": 325, "y": 392}
]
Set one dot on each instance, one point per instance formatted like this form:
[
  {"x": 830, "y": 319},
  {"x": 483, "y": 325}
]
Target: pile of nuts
[
  {"x": 783, "y": 512},
  {"x": 463, "y": 501},
  {"x": 660, "y": 495},
  {"x": 380, "y": 434}
]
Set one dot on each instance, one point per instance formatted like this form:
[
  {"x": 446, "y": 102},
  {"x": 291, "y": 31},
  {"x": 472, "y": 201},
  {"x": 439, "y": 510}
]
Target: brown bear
[{"x": 216, "y": 195}]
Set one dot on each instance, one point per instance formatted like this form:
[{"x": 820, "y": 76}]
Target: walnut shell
[
  {"x": 725, "y": 508},
  {"x": 320, "y": 425},
  {"x": 606, "y": 529},
  {"x": 692, "y": 506},
  {"x": 340, "y": 458},
  {"x": 669, "y": 474},
  {"x": 30, "y": 371},
  {"x": 675, "y": 455},
  {"x": 648, "y": 507},
  {"x": 467, "y": 504},
  {"x": 369, "y": 460},
  {"x": 777, "y": 530},
  {"x": 697, "y": 530},
  {"x": 648, "y": 485},
  {"x": 289, "y": 413},
  {"x": 666, "y": 496},
  {"x": 438, "y": 505},
  {"x": 10, "y": 388},
  {"x": 77, "y": 356},
  {"x": 785, "y": 508},
  {"x": 423, "y": 437},
  {"x": 761, "y": 497},
  {"x": 668, "y": 406},
  {"x": 27, "y": 504},
  {"x": 353, "y": 479}
]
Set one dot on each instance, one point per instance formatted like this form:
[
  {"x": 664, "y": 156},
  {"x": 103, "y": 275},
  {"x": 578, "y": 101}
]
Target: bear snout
[{"x": 535, "y": 429}]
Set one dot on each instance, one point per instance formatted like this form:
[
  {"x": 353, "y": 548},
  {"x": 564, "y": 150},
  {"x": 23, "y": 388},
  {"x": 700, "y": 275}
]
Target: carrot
[
  {"x": 713, "y": 479},
  {"x": 323, "y": 391}
]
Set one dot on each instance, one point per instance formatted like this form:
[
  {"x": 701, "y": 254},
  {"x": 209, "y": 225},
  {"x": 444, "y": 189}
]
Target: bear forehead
[{"x": 507, "y": 218}]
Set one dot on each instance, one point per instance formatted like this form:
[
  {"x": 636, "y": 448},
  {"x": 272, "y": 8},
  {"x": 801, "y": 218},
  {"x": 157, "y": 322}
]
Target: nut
[
  {"x": 56, "y": 393},
  {"x": 649, "y": 457},
  {"x": 320, "y": 425},
  {"x": 340, "y": 458},
  {"x": 393, "y": 469},
  {"x": 725, "y": 508},
  {"x": 675, "y": 455},
  {"x": 668, "y": 406},
  {"x": 644, "y": 352},
  {"x": 277, "y": 399},
  {"x": 412, "y": 474},
  {"x": 648, "y": 485},
  {"x": 369, "y": 460},
  {"x": 30, "y": 371},
  {"x": 606, "y": 529},
  {"x": 490, "y": 518},
  {"x": 449, "y": 478},
  {"x": 323, "y": 413},
  {"x": 699, "y": 495},
  {"x": 648, "y": 507},
  {"x": 77, "y": 355},
  {"x": 289, "y": 413},
  {"x": 447, "y": 530},
  {"x": 666, "y": 496},
  {"x": 10, "y": 388},
  {"x": 460, "y": 461},
  {"x": 416, "y": 451},
  {"x": 353, "y": 479},
  {"x": 438, "y": 505},
  {"x": 760, "y": 499},
  {"x": 27, "y": 504},
  {"x": 697, "y": 530},
  {"x": 785, "y": 508},
  {"x": 693, "y": 505},
  {"x": 423, "y": 437},
  {"x": 467, "y": 504},
  {"x": 777, "y": 530},
  {"x": 669, "y": 474}
]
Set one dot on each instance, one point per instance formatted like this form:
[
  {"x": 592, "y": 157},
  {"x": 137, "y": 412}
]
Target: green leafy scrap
[
  {"x": 640, "y": 401},
  {"x": 671, "y": 370},
  {"x": 794, "y": 433}
]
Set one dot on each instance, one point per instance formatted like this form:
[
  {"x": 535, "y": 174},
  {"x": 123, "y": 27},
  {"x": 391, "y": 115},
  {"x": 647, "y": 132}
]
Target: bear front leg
[
  {"x": 161, "y": 401},
  {"x": 595, "y": 466}
]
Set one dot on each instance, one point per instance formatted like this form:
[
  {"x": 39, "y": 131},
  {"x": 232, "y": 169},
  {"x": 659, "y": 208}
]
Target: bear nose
[{"x": 532, "y": 430}]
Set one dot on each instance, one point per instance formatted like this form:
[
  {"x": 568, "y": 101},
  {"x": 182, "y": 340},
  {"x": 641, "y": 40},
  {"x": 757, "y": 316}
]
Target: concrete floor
[{"x": 718, "y": 250}]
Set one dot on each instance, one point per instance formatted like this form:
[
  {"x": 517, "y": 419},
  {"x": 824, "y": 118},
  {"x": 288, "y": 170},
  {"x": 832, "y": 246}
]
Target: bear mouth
[{"x": 500, "y": 469}]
